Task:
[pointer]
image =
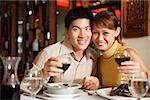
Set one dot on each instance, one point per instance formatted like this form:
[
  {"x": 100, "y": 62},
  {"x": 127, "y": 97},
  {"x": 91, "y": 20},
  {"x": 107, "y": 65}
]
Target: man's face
[{"x": 79, "y": 34}]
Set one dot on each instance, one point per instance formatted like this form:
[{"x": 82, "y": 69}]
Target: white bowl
[{"x": 59, "y": 88}]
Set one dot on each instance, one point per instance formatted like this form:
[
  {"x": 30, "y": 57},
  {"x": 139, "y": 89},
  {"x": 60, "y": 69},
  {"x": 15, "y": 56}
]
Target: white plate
[
  {"x": 105, "y": 93},
  {"x": 78, "y": 93}
]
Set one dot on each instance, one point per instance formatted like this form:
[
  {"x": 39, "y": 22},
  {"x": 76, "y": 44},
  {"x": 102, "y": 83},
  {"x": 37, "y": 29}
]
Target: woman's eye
[
  {"x": 95, "y": 33},
  {"x": 105, "y": 33}
]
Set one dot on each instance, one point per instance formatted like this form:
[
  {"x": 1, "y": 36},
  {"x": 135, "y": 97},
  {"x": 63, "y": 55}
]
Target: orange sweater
[{"x": 108, "y": 73}]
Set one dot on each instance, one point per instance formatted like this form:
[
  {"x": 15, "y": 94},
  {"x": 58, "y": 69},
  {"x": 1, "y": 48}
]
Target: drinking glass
[
  {"x": 121, "y": 56},
  {"x": 139, "y": 85},
  {"x": 66, "y": 61},
  {"x": 32, "y": 82}
]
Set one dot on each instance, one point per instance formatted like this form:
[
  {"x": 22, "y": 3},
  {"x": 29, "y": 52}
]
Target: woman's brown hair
[{"x": 107, "y": 19}]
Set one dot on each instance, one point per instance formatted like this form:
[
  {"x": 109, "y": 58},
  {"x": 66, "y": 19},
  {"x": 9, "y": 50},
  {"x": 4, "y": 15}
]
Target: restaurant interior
[{"x": 26, "y": 27}]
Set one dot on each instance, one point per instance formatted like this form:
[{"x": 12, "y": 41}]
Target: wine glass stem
[
  {"x": 33, "y": 95},
  {"x": 138, "y": 98},
  {"x": 62, "y": 76},
  {"x": 124, "y": 78}
]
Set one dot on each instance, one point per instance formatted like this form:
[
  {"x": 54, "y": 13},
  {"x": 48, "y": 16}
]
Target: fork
[{"x": 90, "y": 92}]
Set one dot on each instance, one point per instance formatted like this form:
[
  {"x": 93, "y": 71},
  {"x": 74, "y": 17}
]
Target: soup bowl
[{"x": 62, "y": 88}]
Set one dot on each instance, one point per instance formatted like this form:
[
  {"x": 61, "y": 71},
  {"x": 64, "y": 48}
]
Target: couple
[{"x": 86, "y": 67}]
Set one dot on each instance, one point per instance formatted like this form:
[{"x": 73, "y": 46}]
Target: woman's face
[
  {"x": 104, "y": 38},
  {"x": 79, "y": 34}
]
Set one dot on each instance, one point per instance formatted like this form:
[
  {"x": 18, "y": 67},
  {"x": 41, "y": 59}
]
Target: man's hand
[
  {"x": 91, "y": 83},
  {"x": 51, "y": 67}
]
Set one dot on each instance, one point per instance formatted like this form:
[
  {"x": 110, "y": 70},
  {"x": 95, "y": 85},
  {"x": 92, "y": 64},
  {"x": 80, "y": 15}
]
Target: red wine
[
  {"x": 119, "y": 60},
  {"x": 65, "y": 66},
  {"x": 9, "y": 92}
]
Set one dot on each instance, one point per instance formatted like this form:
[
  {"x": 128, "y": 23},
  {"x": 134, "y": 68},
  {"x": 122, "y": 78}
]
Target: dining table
[{"x": 85, "y": 95}]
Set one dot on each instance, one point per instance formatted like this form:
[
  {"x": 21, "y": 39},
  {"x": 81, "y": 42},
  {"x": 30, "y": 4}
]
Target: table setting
[
  {"x": 100, "y": 94},
  {"x": 31, "y": 86},
  {"x": 78, "y": 95},
  {"x": 73, "y": 91},
  {"x": 33, "y": 83},
  {"x": 34, "y": 88}
]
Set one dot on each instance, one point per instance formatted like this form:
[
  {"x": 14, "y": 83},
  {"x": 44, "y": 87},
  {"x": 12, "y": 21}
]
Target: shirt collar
[
  {"x": 90, "y": 54},
  {"x": 110, "y": 52},
  {"x": 66, "y": 47}
]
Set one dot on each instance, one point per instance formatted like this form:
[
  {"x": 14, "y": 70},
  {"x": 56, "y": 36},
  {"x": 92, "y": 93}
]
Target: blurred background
[{"x": 26, "y": 27}]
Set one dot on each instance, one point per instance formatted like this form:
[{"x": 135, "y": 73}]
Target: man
[{"x": 75, "y": 46}]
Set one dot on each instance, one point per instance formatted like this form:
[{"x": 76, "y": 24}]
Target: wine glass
[
  {"x": 139, "y": 85},
  {"x": 121, "y": 56},
  {"x": 32, "y": 82},
  {"x": 66, "y": 61}
]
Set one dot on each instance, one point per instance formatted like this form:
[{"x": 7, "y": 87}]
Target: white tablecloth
[{"x": 83, "y": 96}]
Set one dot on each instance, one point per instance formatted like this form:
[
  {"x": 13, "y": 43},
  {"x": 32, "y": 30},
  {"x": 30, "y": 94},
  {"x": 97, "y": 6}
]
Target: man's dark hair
[{"x": 78, "y": 12}]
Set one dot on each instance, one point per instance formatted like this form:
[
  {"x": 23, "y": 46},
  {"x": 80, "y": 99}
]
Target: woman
[{"x": 106, "y": 37}]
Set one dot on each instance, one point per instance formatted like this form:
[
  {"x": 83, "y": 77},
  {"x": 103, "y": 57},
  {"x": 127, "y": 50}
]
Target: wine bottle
[{"x": 35, "y": 45}]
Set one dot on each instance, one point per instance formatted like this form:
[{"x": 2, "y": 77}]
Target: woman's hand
[
  {"x": 90, "y": 82},
  {"x": 51, "y": 67},
  {"x": 130, "y": 67}
]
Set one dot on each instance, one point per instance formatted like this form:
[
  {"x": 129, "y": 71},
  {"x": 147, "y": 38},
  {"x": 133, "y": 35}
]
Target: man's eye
[
  {"x": 75, "y": 29},
  {"x": 88, "y": 28}
]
